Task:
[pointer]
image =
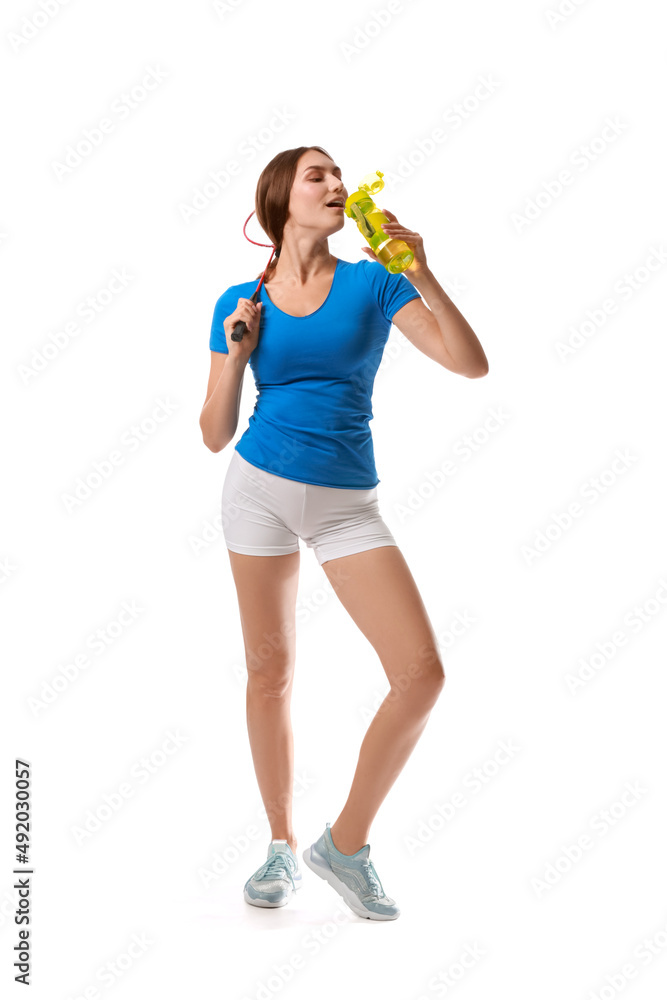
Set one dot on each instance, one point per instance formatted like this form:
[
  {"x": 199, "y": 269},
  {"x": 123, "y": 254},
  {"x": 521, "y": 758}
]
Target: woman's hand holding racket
[{"x": 249, "y": 313}]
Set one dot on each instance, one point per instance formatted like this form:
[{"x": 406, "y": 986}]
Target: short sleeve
[
  {"x": 224, "y": 307},
  {"x": 391, "y": 291}
]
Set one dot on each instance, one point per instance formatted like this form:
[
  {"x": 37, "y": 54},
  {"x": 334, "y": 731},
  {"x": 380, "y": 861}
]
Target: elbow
[
  {"x": 480, "y": 371},
  {"x": 213, "y": 444}
]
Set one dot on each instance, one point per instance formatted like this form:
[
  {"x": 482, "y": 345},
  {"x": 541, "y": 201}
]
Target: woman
[{"x": 304, "y": 468}]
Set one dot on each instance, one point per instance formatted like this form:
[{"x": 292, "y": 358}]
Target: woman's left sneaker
[
  {"x": 275, "y": 882},
  {"x": 353, "y": 876}
]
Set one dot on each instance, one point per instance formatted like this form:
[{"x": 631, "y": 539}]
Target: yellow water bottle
[{"x": 396, "y": 255}]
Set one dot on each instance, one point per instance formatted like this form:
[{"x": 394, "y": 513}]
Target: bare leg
[
  {"x": 272, "y": 748},
  {"x": 266, "y": 588},
  {"x": 379, "y": 591}
]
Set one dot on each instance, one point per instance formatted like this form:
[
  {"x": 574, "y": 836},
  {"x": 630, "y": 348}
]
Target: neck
[{"x": 299, "y": 266}]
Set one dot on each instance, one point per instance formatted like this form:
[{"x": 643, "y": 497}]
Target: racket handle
[{"x": 242, "y": 327}]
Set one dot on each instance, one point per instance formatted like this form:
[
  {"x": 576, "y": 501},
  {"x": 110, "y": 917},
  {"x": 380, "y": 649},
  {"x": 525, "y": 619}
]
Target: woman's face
[{"x": 317, "y": 181}]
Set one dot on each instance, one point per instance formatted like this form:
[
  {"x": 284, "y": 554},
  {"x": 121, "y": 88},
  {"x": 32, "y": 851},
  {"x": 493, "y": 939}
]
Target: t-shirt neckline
[{"x": 319, "y": 308}]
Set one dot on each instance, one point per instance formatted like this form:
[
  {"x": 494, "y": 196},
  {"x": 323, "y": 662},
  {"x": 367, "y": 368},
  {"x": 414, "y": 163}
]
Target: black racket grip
[{"x": 242, "y": 327}]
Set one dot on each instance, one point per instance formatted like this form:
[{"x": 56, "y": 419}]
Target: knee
[
  {"x": 271, "y": 680},
  {"x": 430, "y": 673},
  {"x": 423, "y": 679}
]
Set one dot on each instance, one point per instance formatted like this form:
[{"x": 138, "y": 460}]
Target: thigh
[
  {"x": 264, "y": 557},
  {"x": 378, "y": 590},
  {"x": 266, "y": 588}
]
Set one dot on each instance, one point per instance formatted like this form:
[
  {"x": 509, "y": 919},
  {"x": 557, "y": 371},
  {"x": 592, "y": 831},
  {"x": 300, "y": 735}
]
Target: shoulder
[
  {"x": 231, "y": 295},
  {"x": 356, "y": 273},
  {"x": 390, "y": 291},
  {"x": 371, "y": 274},
  {"x": 241, "y": 288}
]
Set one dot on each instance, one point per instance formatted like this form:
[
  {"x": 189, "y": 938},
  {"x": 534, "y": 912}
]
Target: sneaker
[
  {"x": 276, "y": 880},
  {"x": 352, "y": 876}
]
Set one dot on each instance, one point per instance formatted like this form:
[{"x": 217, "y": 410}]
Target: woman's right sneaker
[
  {"x": 276, "y": 880},
  {"x": 353, "y": 876}
]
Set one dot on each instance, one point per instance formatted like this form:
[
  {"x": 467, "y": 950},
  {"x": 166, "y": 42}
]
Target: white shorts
[{"x": 265, "y": 515}]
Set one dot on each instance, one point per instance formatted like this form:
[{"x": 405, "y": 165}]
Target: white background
[{"x": 493, "y": 879}]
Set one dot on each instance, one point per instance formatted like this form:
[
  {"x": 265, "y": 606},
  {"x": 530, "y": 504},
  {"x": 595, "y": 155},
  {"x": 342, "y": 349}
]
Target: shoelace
[
  {"x": 276, "y": 866},
  {"x": 372, "y": 878}
]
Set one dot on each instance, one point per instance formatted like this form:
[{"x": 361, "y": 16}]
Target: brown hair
[{"x": 272, "y": 196}]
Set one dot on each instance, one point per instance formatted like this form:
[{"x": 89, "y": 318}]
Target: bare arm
[
  {"x": 220, "y": 413},
  {"x": 441, "y": 331}
]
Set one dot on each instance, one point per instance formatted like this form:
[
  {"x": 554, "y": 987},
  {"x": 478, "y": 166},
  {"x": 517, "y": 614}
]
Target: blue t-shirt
[{"x": 314, "y": 375}]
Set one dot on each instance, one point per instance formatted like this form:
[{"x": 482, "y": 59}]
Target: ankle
[
  {"x": 344, "y": 843},
  {"x": 292, "y": 841}
]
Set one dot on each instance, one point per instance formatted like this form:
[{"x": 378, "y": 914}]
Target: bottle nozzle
[{"x": 372, "y": 182}]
